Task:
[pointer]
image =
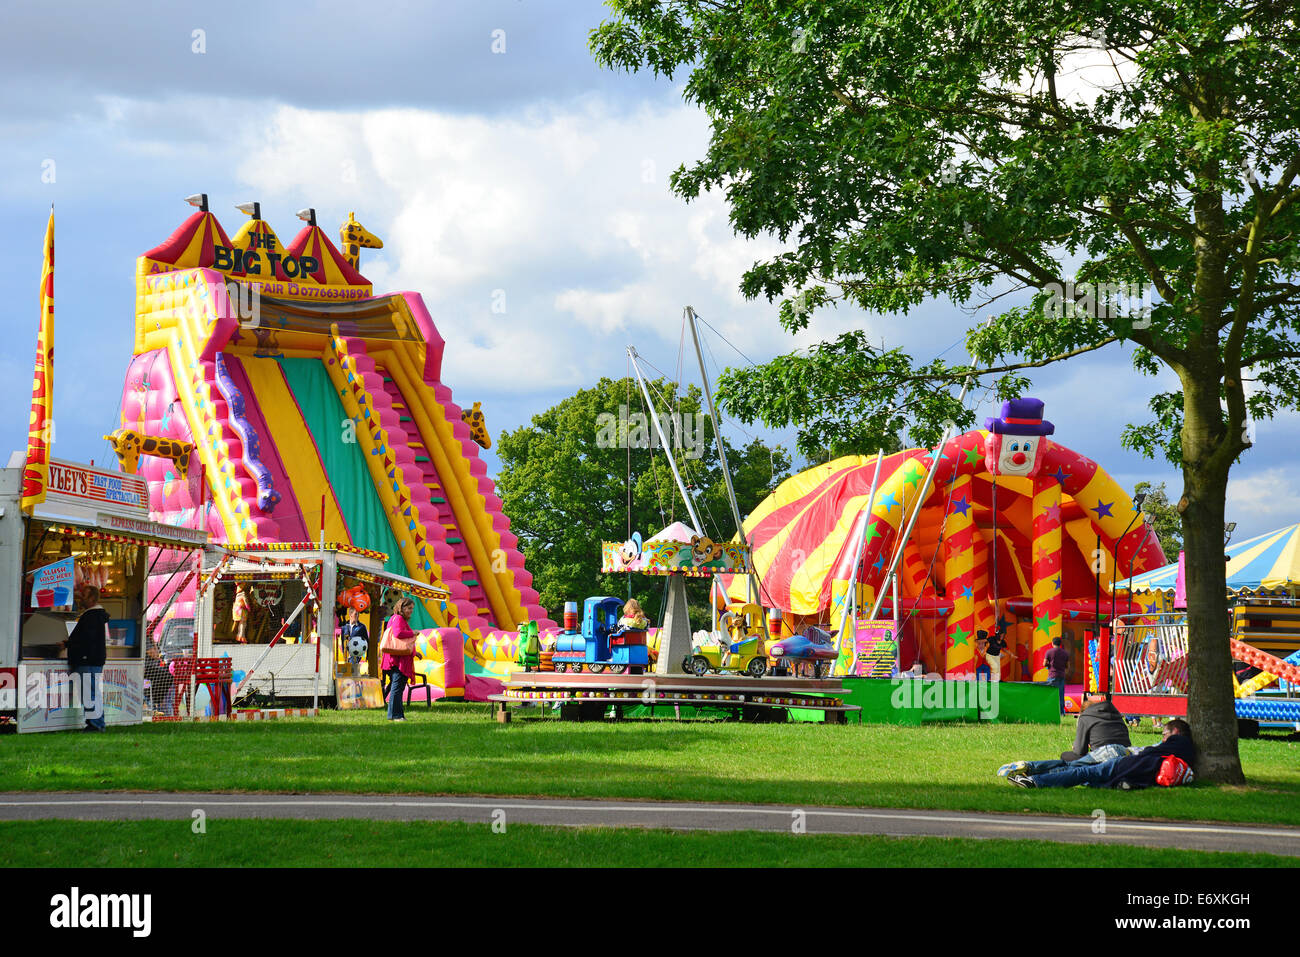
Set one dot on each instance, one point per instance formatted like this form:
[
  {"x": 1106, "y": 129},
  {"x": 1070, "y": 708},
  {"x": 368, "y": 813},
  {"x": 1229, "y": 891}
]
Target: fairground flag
[{"x": 36, "y": 472}]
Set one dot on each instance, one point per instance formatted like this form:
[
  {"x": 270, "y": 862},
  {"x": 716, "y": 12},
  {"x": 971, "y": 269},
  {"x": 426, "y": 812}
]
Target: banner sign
[
  {"x": 40, "y": 423},
  {"x": 359, "y": 693},
  {"x": 309, "y": 267},
  {"x": 8, "y": 699},
  {"x": 875, "y": 652},
  {"x": 700, "y": 557},
  {"x": 141, "y": 526},
  {"x": 52, "y": 584},
  {"x": 51, "y": 698},
  {"x": 84, "y": 485}
]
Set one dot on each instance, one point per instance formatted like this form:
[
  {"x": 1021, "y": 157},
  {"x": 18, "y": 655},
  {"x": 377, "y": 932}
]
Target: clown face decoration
[
  {"x": 1017, "y": 455},
  {"x": 1018, "y": 440}
]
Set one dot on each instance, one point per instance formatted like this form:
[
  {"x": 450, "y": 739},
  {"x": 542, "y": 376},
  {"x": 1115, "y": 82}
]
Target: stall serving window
[
  {"x": 61, "y": 566},
  {"x": 250, "y": 611},
  {"x": 363, "y": 604}
]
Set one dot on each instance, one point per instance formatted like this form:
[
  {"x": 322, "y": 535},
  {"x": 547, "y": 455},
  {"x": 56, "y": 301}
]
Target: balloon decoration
[{"x": 354, "y": 597}]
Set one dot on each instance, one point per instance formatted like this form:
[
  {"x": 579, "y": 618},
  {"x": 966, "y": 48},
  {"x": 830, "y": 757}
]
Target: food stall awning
[
  {"x": 341, "y": 548},
  {"x": 272, "y": 561},
  {"x": 132, "y": 531},
  {"x": 399, "y": 582},
  {"x": 95, "y": 503}
]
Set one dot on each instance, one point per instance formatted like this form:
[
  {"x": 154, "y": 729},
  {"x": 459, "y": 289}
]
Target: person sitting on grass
[
  {"x": 1100, "y": 724},
  {"x": 1127, "y": 771}
]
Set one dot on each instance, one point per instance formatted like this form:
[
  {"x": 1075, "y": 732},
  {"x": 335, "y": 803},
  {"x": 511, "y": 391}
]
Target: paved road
[{"x": 133, "y": 806}]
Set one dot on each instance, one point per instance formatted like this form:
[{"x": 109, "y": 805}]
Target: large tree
[
  {"x": 565, "y": 483},
  {"x": 983, "y": 147}
]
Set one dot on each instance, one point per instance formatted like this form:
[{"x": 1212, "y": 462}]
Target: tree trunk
[{"x": 1211, "y": 711}]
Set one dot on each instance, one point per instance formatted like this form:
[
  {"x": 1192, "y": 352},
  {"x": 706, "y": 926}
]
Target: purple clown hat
[{"x": 1020, "y": 417}]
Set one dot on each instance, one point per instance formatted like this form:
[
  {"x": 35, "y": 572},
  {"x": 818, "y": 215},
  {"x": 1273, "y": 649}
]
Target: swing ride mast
[
  {"x": 675, "y": 634},
  {"x": 751, "y": 585},
  {"x": 668, "y": 451},
  {"x": 921, "y": 493},
  {"x": 864, "y": 520},
  {"x": 847, "y": 620}
]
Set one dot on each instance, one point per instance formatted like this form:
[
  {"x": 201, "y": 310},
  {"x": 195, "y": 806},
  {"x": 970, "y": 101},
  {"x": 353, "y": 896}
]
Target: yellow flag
[{"x": 36, "y": 472}]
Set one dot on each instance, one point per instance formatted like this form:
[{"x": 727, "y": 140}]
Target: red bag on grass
[{"x": 1174, "y": 771}]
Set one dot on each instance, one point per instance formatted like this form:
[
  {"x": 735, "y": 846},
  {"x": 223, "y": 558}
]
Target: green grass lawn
[
  {"x": 456, "y": 749},
  {"x": 236, "y": 843}
]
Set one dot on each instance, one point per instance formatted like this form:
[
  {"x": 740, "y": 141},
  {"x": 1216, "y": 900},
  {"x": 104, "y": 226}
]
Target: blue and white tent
[{"x": 1269, "y": 562}]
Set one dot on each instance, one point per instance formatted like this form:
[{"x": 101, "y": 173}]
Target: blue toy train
[{"x": 601, "y": 644}]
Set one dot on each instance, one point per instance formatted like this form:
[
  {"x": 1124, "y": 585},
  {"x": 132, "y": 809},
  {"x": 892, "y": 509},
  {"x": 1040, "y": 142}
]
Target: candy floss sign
[
  {"x": 52, "y": 585},
  {"x": 51, "y": 698}
]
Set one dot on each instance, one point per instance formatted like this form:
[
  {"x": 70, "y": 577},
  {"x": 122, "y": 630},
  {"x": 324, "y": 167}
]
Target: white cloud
[
  {"x": 1263, "y": 500},
  {"x": 564, "y": 210}
]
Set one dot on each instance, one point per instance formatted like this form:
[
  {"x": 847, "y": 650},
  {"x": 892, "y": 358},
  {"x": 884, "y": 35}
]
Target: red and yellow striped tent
[
  {"x": 333, "y": 269},
  {"x": 192, "y": 245}
]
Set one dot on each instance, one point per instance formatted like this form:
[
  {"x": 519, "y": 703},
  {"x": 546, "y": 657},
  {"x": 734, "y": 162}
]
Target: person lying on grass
[
  {"x": 1102, "y": 736},
  {"x": 1136, "y": 770}
]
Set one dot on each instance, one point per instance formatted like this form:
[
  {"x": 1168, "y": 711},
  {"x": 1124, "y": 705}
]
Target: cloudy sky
[{"x": 495, "y": 160}]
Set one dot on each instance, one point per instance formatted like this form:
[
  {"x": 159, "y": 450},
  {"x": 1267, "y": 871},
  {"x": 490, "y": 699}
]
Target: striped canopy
[
  {"x": 1264, "y": 563},
  {"x": 332, "y": 268},
  {"x": 193, "y": 244}
]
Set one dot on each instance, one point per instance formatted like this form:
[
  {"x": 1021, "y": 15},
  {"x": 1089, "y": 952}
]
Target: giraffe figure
[
  {"x": 354, "y": 237},
  {"x": 130, "y": 445},
  {"x": 477, "y": 425}
]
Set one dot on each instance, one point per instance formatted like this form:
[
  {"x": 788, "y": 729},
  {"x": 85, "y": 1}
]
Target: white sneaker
[
  {"x": 1011, "y": 768},
  {"x": 396, "y": 720}
]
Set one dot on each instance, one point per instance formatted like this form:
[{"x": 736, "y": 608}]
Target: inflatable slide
[{"x": 315, "y": 410}]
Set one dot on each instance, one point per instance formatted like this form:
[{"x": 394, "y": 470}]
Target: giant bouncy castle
[
  {"x": 274, "y": 397},
  {"x": 1013, "y": 529}
]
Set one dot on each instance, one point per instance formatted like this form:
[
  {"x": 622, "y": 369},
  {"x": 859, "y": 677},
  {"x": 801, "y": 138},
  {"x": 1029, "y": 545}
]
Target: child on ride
[{"x": 634, "y": 618}]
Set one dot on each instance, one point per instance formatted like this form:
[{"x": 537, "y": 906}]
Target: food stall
[
  {"x": 291, "y": 594},
  {"x": 92, "y": 529}
]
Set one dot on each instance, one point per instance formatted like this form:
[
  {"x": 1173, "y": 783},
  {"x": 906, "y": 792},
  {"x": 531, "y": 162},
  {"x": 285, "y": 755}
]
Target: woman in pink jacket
[{"x": 399, "y": 668}]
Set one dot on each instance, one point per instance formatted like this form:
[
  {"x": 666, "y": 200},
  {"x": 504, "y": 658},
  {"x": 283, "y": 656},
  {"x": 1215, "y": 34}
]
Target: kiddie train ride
[
  {"x": 602, "y": 645},
  {"x": 601, "y": 668}
]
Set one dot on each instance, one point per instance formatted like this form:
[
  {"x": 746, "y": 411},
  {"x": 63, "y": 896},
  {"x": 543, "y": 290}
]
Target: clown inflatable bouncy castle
[{"x": 1014, "y": 529}]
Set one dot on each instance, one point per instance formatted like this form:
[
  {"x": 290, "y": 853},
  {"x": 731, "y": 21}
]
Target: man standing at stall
[{"x": 87, "y": 651}]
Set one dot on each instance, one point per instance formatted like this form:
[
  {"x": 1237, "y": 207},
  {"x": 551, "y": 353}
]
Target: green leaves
[
  {"x": 931, "y": 148},
  {"x": 1163, "y": 517}
]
